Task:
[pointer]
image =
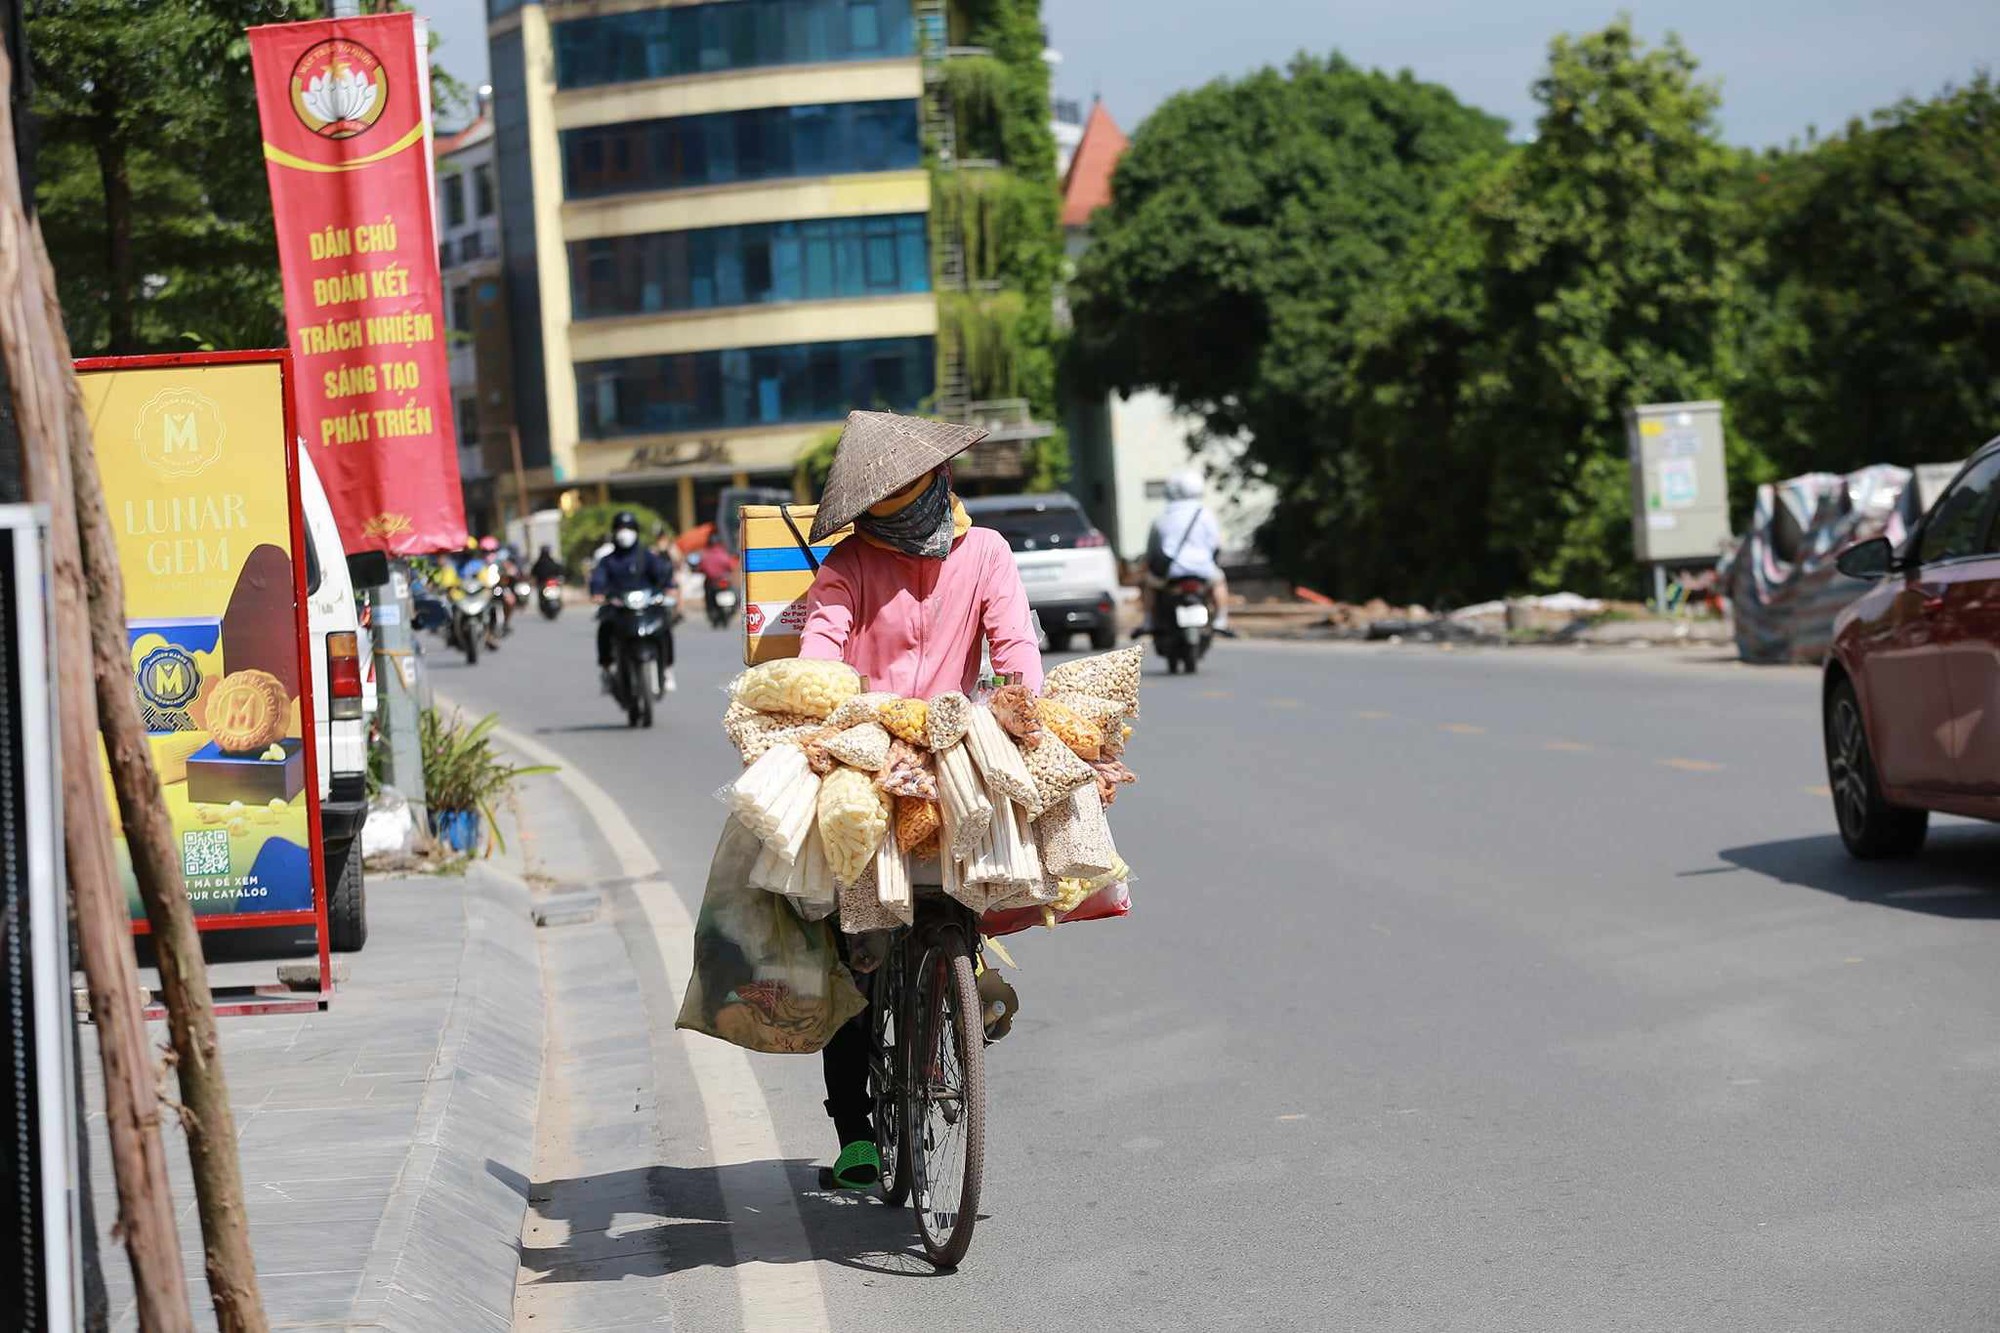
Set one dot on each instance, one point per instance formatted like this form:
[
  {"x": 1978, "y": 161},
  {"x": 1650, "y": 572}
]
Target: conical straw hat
[{"x": 880, "y": 453}]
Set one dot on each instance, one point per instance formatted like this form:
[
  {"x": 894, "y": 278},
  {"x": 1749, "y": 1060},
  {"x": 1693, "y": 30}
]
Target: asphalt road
[{"x": 1503, "y": 990}]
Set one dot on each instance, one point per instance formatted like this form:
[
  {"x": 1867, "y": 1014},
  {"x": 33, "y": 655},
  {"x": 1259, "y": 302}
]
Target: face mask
[{"x": 625, "y": 538}]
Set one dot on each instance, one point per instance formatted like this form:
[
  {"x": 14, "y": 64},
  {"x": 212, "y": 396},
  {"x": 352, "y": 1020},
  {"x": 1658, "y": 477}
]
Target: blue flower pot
[{"x": 459, "y": 829}]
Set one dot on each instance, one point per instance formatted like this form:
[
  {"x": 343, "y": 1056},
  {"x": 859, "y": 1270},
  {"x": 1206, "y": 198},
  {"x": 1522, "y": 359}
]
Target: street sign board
[
  {"x": 199, "y": 466},
  {"x": 1680, "y": 485},
  {"x": 39, "y": 1243}
]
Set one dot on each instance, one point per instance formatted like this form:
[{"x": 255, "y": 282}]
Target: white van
[{"x": 343, "y": 700}]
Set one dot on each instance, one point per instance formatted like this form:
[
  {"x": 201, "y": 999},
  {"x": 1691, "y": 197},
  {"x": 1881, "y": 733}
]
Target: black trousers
[
  {"x": 605, "y": 644},
  {"x": 845, "y": 1062}
]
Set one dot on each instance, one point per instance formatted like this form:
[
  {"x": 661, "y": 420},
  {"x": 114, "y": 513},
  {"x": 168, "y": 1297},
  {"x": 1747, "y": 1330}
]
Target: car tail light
[
  {"x": 1092, "y": 538},
  {"x": 343, "y": 676}
]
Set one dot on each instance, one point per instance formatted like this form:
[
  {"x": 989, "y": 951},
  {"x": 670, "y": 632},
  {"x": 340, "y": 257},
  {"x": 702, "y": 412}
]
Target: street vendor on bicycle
[{"x": 907, "y": 603}]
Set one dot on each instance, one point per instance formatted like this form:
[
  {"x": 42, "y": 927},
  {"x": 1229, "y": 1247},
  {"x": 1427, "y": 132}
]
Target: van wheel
[
  {"x": 1872, "y": 829},
  {"x": 347, "y": 906}
]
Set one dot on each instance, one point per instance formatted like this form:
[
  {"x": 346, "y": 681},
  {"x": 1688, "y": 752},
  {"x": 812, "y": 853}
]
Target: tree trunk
[
  {"x": 121, "y": 277},
  {"x": 36, "y": 353},
  {"x": 149, "y": 834}
]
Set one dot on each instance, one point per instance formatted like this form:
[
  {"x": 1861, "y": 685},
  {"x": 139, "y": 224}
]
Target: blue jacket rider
[{"x": 629, "y": 567}]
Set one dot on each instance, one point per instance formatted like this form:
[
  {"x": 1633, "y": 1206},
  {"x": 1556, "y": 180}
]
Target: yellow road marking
[
  {"x": 1462, "y": 728},
  {"x": 1819, "y": 791},
  {"x": 1286, "y": 703},
  {"x": 1215, "y": 694},
  {"x": 1567, "y": 747},
  {"x": 1692, "y": 765},
  {"x": 1291, "y": 1117}
]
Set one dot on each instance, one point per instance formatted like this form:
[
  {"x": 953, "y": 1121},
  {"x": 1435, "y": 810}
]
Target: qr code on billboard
[{"x": 205, "y": 852}]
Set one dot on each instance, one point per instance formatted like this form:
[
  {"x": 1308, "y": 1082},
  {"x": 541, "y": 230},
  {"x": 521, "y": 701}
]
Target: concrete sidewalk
[{"x": 386, "y": 1144}]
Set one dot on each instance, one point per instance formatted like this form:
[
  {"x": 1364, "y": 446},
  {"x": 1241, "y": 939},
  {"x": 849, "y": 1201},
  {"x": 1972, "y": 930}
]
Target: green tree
[
  {"x": 1611, "y": 280},
  {"x": 1248, "y": 219},
  {"x": 1881, "y": 275},
  {"x": 151, "y": 170},
  {"x": 1478, "y": 428}
]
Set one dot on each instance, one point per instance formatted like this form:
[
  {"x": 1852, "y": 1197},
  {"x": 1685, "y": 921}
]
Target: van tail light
[
  {"x": 1092, "y": 538},
  {"x": 343, "y": 676}
]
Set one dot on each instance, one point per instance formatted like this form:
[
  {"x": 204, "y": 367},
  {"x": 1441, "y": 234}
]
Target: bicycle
[{"x": 927, "y": 1071}]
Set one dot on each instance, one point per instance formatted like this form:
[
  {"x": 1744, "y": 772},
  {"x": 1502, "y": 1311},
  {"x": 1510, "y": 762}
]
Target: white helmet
[{"x": 1186, "y": 485}]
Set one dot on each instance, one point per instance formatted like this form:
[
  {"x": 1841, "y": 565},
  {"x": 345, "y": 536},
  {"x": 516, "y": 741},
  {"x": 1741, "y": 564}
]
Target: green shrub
[{"x": 588, "y": 527}]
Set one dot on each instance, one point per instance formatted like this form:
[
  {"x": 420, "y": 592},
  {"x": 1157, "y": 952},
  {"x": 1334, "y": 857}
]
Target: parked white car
[
  {"x": 343, "y": 697},
  {"x": 1066, "y": 564}
]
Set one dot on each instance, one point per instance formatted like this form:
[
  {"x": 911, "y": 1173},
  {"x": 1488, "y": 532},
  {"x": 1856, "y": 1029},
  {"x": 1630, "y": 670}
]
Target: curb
[{"x": 447, "y": 1251}]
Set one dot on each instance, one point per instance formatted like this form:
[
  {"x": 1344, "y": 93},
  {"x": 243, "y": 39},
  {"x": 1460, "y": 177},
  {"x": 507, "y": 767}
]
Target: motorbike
[
  {"x": 638, "y": 666},
  {"x": 721, "y": 599},
  {"x": 1183, "y": 624},
  {"x": 471, "y": 625},
  {"x": 550, "y": 598}
]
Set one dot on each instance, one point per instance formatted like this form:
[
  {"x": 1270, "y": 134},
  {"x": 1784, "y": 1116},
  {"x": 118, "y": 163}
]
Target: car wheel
[
  {"x": 1105, "y": 636},
  {"x": 1871, "y": 828},
  {"x": 1059, "y": 640},
  {"x": 347, "y": 905}
]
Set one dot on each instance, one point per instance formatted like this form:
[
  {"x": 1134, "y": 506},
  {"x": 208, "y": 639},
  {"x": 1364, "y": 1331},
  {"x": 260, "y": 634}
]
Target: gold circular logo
[
  {"x": 248, "y": 711},
  {"x": 339, "y": 88},
  {"x": 179, "y": 433}
]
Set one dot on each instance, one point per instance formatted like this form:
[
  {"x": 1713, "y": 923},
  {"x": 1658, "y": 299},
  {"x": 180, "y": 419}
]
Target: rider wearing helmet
[
  {"x": 628, "y": 567},
  {"x": 1186, "y": 541}
]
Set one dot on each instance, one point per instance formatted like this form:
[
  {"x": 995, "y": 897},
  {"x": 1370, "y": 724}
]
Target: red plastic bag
[{"x": 1110, "y": 901}]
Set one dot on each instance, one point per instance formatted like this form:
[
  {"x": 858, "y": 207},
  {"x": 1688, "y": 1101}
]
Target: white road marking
[{"x": 776, "y": 1280}]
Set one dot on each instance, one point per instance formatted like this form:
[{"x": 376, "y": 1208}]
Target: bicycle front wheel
[
  {"x": 888, "y": 1060},
  {"x": 946, "y": 1081}
]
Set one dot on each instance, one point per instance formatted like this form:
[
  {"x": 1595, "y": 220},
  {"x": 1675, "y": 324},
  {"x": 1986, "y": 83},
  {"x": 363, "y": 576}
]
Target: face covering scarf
[{"x": 920, "y": 528}]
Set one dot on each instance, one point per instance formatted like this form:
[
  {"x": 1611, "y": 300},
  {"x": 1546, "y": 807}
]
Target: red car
[{"x": 1912, "y": 688}]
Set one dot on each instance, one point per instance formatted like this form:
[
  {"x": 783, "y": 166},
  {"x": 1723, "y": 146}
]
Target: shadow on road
[
  {"x": 1957, "y": 876},
  {"x": 673, "y": 1219}
]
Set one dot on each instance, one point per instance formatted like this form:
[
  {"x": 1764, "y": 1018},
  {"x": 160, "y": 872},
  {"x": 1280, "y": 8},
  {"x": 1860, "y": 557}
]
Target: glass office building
[{"x": 715, "y": 219}]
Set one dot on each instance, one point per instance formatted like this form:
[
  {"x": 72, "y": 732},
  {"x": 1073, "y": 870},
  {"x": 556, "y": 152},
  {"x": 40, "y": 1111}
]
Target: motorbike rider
[
  {"x": 718, "y": 569},
  {"x": 546, "y": 566},
  {"x": 1186, "y": 541},
  {"x": 629, "y": 567}
]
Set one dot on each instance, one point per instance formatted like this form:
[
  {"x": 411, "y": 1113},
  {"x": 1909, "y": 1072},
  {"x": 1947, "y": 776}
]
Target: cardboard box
[{"x": 777, "y": 571}]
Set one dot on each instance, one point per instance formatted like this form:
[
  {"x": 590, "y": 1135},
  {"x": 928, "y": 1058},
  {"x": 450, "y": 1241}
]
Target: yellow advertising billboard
[{"x": 196, "y": 457}]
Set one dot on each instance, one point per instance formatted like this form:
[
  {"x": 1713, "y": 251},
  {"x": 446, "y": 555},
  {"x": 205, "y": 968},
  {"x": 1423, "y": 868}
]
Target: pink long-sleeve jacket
[{"x": 913, "y": 626}]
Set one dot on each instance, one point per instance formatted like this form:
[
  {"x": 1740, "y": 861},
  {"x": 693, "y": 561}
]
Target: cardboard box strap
[{"x": 791, "y": 526}]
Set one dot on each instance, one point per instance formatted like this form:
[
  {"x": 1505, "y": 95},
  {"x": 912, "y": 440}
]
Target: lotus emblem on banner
[{"x": 339, "y": 88}]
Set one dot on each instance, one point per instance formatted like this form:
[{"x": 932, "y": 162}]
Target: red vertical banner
[{"x": 345, "y": 107}]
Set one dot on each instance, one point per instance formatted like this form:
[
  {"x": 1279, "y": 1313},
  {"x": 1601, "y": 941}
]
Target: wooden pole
[
  {"x": 520, "y": 474},
  {"x": 38, "y": 369},
  {"x": 206, "y": 1115}
]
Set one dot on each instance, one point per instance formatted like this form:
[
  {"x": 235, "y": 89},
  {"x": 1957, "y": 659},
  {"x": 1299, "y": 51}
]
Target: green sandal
[{"x": 858, "y": 1167}]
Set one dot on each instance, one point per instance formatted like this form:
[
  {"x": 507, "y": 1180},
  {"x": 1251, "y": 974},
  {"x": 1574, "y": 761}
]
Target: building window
[
  {"x": 454, "y": 200},
  {"x": 482, "y": 190},
  {"x": 675, "y": 40},
  {"x": 748, "y": 387},
  {"x": 821, "y": 260},
  {"x": 468, "y": 423},
  {"x": 461, "y": 309},
  {"x": 762, "y": 144}
]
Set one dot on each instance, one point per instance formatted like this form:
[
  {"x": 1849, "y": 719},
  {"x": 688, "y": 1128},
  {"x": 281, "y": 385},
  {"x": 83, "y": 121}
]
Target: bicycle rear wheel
[
  {"x": 889, "y": 1025},
  {"x": 946, "y": 1081}
]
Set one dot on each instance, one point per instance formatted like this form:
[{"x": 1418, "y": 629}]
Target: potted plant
[{"x": 463, "y": 777}]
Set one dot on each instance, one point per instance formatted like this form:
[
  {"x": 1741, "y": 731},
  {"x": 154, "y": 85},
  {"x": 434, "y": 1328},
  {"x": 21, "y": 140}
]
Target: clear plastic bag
[{"x": 763, "y": 979}]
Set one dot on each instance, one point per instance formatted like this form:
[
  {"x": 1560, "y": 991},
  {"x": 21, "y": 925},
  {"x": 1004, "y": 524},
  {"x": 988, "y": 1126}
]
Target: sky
[{"x": 1784, "y": 65}]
